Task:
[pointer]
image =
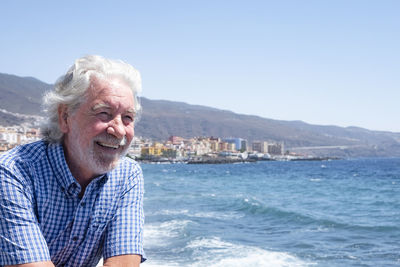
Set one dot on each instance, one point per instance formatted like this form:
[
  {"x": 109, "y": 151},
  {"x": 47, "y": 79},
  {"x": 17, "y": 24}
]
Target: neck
[{"x": 81, "y": 173}]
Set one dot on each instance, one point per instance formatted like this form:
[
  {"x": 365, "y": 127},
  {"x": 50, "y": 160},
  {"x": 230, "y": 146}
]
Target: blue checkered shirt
[{"x": 42, "y": 217}]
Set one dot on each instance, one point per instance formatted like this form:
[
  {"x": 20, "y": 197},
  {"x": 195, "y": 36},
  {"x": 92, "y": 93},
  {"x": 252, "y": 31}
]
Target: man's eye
[
  {"x": 103, "y": 115},
  {"x": 129, "y": 118}
]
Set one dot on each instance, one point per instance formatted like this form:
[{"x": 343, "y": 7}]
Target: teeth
[{"x": 108, "y": 145}]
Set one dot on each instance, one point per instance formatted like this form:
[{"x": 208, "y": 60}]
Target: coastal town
[{"x": 177, "y": 149}]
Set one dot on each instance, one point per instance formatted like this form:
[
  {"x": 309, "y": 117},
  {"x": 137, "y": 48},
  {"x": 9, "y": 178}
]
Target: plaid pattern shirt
[{"x": 42, "y": 218}]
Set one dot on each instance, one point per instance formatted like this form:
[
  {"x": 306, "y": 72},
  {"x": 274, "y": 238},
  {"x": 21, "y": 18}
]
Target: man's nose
[{"x": 116, "y": 128}]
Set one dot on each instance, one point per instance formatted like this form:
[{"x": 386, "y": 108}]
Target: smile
[{"x": 107, "y": 145}]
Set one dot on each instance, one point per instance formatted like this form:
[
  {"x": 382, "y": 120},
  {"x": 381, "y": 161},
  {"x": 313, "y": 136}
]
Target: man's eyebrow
[
  {"x": 131, "y": 110},
  {"x": 106, "y": 106},
  {"x": 100, "y": 105}
]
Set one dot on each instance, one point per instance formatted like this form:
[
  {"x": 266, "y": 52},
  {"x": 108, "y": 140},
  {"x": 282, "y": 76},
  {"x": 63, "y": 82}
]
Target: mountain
[
  {"x": 21, "y": 95},
  {"x": 161, "y": 119}
]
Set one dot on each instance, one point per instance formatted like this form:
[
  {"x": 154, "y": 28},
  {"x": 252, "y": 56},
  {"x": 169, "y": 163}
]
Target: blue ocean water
[{"x": 327, "y": 213}]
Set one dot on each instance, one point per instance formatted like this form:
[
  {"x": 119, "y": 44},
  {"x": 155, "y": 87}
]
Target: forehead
[{"x": 109, "y": 92}]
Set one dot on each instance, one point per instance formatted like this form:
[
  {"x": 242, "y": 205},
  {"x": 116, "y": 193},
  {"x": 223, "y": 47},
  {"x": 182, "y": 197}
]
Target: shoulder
[
  {"x": 16, "y": 169},
  {"x": 128, "y": 172},
  {"x": 23, "y": 155},
  {"x": 129, "y": 166}
]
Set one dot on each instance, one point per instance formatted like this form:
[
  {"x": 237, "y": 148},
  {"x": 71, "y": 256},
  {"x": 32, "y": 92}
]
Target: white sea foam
[
  {"x": 318, "y": 229},
  {"x": 209, "y": 243},
  {"x": 217, "y": 253},
  {"x": 208, "y": 195},
  {"x": 162, "y": 234},
  {"x": 158, "y": 264},
  {"x": 171, "y": 212},
  {"x": 217, "y": 215},
  {"x": 209, "y": 214},
  {"x": 252, "y": 201}
]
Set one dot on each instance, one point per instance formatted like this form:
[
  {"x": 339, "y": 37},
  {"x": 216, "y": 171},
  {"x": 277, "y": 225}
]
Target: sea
[{"x": 272, "y": 213}]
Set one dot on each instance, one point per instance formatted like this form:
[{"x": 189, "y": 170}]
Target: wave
[
  {"x": 254, "y": 207},
  {"x": 150, "y": 263},
  {"x": 206, "y": 251},
  {"x": 169, "y": 212},
  {"x": 199, "y": 214},
  {"x": 165, "y": 233},
  {"x": 215, "y": 252}
]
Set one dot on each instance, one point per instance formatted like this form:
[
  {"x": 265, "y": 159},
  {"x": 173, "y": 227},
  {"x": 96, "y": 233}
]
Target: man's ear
[{"x": 62, "y": 118}]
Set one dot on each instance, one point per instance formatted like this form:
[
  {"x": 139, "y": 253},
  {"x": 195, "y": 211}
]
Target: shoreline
[{"x": 222, "y": 160}]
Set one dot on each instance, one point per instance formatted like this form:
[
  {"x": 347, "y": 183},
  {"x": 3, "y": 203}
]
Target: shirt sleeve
[
  {"x": 21, "y": 240},
  {"x": 124, "y": 234}
]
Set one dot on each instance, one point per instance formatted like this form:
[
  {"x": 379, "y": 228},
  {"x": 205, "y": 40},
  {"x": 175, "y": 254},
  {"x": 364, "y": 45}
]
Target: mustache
[{"x": 110, "y": 139}]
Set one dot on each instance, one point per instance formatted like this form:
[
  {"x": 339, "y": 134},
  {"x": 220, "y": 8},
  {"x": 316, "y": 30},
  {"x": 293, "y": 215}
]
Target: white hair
[{"x": 70, "y": 89}]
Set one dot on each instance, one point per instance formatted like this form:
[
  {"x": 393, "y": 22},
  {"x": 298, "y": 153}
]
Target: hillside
[
  {"x": 161, "y": 119},
  {"x": 21, "y": 95}
]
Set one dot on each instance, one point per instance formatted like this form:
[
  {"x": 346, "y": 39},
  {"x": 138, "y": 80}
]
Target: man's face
[{"x": 100, "y": 131}]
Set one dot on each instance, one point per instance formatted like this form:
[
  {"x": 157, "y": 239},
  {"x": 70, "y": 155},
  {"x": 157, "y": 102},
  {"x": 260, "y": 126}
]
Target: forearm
[
  {"x": 34, "y": 264},
  {"x": 123, "y": 261}
]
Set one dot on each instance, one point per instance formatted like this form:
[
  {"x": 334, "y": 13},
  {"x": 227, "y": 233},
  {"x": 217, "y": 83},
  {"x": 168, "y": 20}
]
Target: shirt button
[
  {"x": 83, "y": 204},
  {"x": 75, "y": 238}
]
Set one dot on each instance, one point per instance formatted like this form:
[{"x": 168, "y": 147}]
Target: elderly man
[{"x": 73, "y": 197}]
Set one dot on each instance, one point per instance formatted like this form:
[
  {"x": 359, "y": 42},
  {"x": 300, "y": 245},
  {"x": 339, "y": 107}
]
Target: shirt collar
[{"x": 59, "y": 165}]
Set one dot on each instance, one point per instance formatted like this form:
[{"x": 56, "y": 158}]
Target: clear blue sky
[{"x": 322, "y": 62}]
